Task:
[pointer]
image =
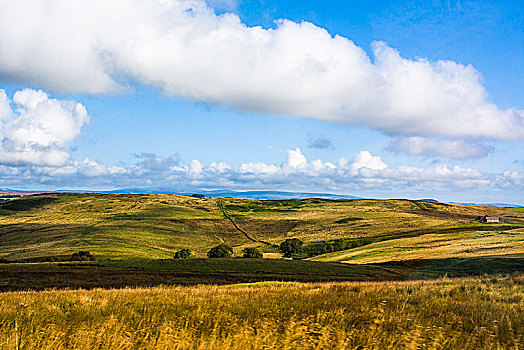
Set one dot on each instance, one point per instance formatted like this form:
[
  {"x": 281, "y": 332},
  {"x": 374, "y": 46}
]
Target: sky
[{"x": 379, "y": 99}]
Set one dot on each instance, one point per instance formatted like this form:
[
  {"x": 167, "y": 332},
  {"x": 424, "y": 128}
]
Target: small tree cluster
[
  {"x": 220, "y": 251},
  {"x": 183, "y": 254},
  {"x": 252, "y": 253},
  {"x": 291, "y": 247},
  {"x": 82, "y": 256},
  {"x": 318, "y": 248}
]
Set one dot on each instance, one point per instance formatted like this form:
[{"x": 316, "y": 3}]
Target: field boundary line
[{"x": 238, "y": 228}]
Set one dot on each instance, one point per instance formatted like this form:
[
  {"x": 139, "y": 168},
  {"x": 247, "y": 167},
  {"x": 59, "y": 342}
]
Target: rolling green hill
[
  {"x": 121, "y": 226},
  {"x": 370, "y": 284}
]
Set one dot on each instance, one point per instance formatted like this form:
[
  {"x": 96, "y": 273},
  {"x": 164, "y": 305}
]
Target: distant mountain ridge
[
  {"x": 275, "y": 195},
  {"x": 9, "y": 192},
  {"x": 258, "y": 194},
  {"x": 501, "y": 205},
  {"x": 271, "y": 195}
]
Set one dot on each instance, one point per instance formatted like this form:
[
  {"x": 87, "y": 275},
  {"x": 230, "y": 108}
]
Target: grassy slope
[
  {"x": 154, "y": 226},
  {"x": 482, "y": 313},
  {"x": 459, "y": 244},
  {"x": 111, "y": 226}
]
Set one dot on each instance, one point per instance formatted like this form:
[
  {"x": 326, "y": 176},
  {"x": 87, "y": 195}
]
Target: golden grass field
[
  {"x": 400, "y": 251},
  {"x": 477, "y": 313}
]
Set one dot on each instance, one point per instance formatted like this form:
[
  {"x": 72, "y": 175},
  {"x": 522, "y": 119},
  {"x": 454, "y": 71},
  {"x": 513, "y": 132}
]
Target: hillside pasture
[{"x": 124, "y": 226}]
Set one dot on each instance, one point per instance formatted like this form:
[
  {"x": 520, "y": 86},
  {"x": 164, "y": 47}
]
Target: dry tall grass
[{"x": 444, "y": 314}]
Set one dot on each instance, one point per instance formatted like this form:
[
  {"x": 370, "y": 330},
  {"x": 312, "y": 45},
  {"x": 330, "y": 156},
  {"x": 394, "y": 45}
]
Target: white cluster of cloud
[
  {"x": 153, "y": 162},
  {"x": 511, "y": 179},
  {"x": 363, "y": 172},
  {"x": 185, "y": 49},
  {"x": 456, "y": 149},
  {"x": 38, "y": 129}
]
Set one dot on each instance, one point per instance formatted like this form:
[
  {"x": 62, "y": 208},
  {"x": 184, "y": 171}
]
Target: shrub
[
  {"x": 290, "y": 247},
  {"x": 252, "y": 253},
  {"x": 82, "y": 256},
  {"x": 220, "y": 251},
  {"x": 49, "y": 259},
  {"x": 183, "y": 254},
  {"x": 338, "y": 245}
]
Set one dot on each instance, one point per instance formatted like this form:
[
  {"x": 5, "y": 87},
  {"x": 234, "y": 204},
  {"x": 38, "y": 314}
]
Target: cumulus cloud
[
  {"x": 219, "y": 167},
  {"x": 365, "y": 160},
  {"x": 39, "y": 129},
  {"x": 183, "y": 48},
  {"x": 456, "y": 149},
  {"x": 258, "y": 168},
  {"x": 511, "y": 179},
  {"x": 151, "y": 161},
  {"x": 318, "y": 141},
  {"x": 363, "y": 172},
  {"x": 195, "y": 168}
]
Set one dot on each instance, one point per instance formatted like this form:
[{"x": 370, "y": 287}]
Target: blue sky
[{"x": 372, "y": 98}]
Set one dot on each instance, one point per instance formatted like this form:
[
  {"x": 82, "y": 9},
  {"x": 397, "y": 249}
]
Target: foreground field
[{"x": 477, "y": 313}]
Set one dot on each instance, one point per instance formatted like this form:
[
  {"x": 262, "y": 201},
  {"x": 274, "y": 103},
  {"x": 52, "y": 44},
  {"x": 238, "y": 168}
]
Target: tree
[
  {"x": 82, "y": 256},
  {"x": 290, "y": 247},
  {"x": 252, "y": 253},
  {"x": 183, "y": 254},
  {"x": 220, "y": 251}
]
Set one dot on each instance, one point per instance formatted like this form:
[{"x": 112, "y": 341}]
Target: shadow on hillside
[
  {"x": 131, "y": 273},
  {"x": 458, "y": 267},
  {"x": 27, "y": 203}
]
